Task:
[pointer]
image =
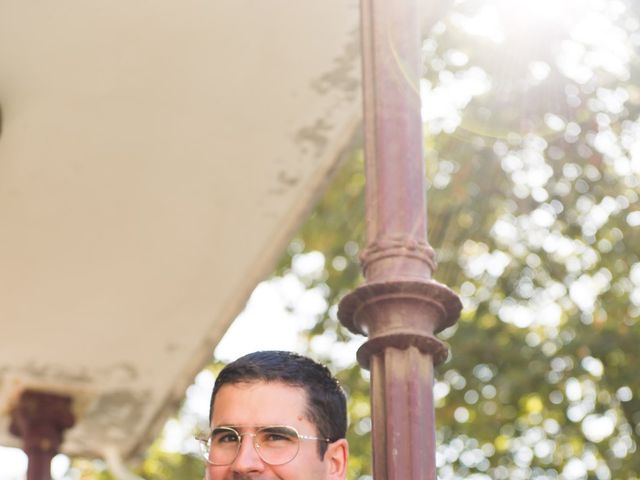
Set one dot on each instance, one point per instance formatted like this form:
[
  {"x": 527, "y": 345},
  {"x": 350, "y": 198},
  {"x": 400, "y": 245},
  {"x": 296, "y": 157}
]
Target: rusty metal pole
[
  {"x": 400, "y": 307},
  {"x": 41, "y": 419}
]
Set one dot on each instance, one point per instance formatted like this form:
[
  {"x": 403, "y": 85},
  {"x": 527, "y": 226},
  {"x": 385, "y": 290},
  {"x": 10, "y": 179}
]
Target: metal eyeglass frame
[{"x": 206, "y": 445}]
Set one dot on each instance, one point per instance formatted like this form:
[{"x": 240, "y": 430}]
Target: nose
[{"x": 248, "y": 460}]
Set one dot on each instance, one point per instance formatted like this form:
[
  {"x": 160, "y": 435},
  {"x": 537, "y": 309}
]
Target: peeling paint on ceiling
[{"x": 155, "y": 160}]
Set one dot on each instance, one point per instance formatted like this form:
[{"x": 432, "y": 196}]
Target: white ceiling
[{"x": 155, "y": 158}]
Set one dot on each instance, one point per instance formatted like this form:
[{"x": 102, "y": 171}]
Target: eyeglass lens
[{"x": 276, "y": 445}]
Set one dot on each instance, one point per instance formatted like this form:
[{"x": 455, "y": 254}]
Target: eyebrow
[
  {"x": 239, "y": 426},
  {"x": 243, "y": 428}
]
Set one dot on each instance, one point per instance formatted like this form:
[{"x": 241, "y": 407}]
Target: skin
[{"x": 258, "y": 404}]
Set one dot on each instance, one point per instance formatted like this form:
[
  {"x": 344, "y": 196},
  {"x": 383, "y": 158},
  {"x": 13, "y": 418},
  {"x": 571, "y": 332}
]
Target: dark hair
[{"x": 326, "y": 401}]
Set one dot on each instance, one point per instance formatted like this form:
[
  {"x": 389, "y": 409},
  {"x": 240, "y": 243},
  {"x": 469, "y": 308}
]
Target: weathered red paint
[
  {"x": 400, "y": 307},
  {"x": 40, "y": 420}
]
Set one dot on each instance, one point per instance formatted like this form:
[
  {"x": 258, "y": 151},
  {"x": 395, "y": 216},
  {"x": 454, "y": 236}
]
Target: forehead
[{"x": 260, "y": 403}]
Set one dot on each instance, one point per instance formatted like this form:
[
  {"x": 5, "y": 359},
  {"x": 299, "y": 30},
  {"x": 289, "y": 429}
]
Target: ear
[{"x": 336, "y": 458}]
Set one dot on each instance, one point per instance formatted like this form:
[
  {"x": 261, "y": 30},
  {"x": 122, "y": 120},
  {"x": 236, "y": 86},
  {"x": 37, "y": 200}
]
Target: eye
[
  {"x": 223, "y": 436},
  {"x": 276, "y": 435}
]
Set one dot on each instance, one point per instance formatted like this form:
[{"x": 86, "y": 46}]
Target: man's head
[{"x": 281, "y": 388}]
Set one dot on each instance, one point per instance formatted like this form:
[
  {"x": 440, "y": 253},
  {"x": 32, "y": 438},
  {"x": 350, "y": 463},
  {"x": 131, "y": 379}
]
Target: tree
[{"x": 534, "y": 211}]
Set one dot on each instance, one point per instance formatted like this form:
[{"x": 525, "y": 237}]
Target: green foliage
[
  {"x": 167, "y": 465},
  {"x": 533, "y": 207}
]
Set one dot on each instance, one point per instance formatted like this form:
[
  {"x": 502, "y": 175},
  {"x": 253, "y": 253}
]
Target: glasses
[{"x": 275, "y": 444}]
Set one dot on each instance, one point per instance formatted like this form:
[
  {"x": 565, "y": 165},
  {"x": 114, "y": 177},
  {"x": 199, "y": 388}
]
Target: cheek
[
  {"x": 306, "y": 466},
  {"x": 215, "y": 473}
]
